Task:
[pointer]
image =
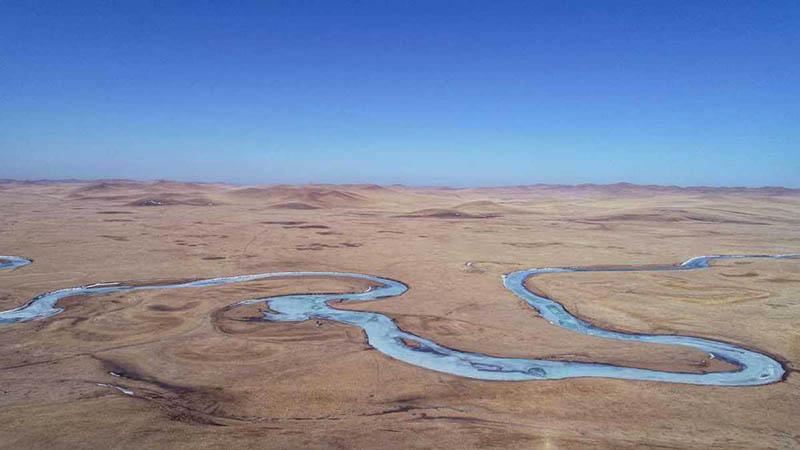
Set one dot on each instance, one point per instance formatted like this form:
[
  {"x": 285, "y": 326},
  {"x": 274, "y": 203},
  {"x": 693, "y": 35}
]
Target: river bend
[{"x": 753, "y": 368}]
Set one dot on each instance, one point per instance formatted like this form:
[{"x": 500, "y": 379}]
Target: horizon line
[{"x": 422, "y": 186}]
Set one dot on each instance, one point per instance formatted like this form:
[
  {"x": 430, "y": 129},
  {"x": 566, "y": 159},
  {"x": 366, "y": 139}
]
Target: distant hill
[
  {"x": 301, "y": 197},
  {"x": 484, "y": 207},
  {"x": 446, "y": 213}
]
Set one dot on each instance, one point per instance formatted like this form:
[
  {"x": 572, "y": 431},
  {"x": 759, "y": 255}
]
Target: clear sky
[{"x": 426, "y": 93}]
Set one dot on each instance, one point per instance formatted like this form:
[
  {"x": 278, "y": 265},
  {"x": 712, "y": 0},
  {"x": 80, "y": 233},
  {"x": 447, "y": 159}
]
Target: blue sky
[{"x": 426, "y": 93}]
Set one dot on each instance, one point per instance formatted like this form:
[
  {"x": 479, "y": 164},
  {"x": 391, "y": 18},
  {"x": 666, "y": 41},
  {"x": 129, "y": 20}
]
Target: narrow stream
[{"x": 12, "y": 262}]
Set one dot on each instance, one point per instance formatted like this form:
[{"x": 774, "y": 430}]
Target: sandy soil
[{"x": 201, "y": 378}]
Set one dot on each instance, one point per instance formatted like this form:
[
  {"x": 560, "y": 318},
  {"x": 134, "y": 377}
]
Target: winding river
[
  {"x": 383, "y": 334},
  {"x": 12, "y": 262}
]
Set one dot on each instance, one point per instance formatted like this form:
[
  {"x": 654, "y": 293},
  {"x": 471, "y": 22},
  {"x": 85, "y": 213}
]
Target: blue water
[
  {"x": 12, "y": 262},
  {"x": 383, "y": 334}
]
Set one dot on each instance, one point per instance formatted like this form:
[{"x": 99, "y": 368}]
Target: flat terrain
[{"x": 203, "y": 378}]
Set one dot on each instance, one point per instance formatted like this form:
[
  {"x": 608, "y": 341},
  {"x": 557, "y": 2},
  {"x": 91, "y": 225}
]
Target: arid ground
[{"x": 203, "y": 378}]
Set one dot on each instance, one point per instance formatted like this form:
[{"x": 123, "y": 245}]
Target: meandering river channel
[{"x": 384, "y": 335}]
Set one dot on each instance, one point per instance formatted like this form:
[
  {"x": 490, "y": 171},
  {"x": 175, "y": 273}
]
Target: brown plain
[{"x": 204, "y": 378}]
